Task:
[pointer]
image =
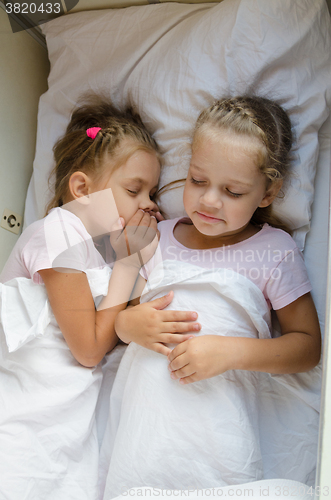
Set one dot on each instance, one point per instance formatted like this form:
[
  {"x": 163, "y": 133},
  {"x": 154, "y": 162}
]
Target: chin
[{"x": 207, "y": 230}]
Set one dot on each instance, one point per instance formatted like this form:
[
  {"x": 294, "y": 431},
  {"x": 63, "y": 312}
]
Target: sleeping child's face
[
  {"x": 133, "y": 184},
  {"x": 224, "y": 185}
]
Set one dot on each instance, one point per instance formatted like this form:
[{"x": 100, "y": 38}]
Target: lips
[{"x": 209, "y": 218}]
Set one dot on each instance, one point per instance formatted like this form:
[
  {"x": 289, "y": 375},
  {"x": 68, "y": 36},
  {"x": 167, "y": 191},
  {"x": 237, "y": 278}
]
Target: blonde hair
[
  {"x": 122, "y": 134},
  {"x": 259, "y": 118}
]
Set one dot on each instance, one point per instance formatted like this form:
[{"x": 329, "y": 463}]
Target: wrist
[
  {"x": 230, "y": 349},
  {"x": 118, "y": 326},
  {"x": 131, "y": 261},
  {"x": 245, "y": 353}
]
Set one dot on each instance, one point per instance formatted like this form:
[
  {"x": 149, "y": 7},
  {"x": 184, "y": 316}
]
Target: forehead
[
  {"x": 227, "y": 152},
  {"x": 144, "y": 165},
  {"x": 141, "y": 166}
]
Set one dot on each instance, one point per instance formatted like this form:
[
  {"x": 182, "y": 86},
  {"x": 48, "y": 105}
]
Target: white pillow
[{"x": 174, "y": 60}]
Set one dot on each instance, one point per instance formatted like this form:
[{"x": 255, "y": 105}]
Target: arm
[
  {"x": 299, "y": 347},
  {"x": 297, "y": 350},
  {"x": 90, "y": 334}
]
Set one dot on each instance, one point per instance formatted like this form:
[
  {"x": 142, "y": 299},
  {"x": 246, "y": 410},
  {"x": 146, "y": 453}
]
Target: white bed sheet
[{"x": 294, "y": 67}]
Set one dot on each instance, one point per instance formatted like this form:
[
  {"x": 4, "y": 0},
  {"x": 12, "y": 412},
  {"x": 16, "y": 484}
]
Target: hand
[
  {"x": 137, "y": 240},
  {"x": 159, "y": 217},
  {"x": 147, "y": 325},
  {"x": 201, "y": 357},
  {"x": 155, "y": 212}
]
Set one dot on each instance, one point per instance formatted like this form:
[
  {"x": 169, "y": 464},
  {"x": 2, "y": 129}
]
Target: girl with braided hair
[
  {"x": 63, "y": 285},
  {"x": 197, "y": 425}
]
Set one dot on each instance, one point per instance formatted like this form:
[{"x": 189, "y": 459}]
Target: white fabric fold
[
  {"x": 48, "y": 437},
  {"x": 235, "y": 428},
  {"x": 166, "y": 435},
  {"x": 24, "y": 311}
]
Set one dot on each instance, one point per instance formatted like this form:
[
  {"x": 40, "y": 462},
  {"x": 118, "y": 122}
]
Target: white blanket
[
  {"x": 48, "y": 437},
  {"x": 216, "y": 432}
]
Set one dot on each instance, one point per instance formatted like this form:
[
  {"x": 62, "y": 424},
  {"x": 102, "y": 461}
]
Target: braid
[
  {"x": 256, "y": 117},
  {"x": 76, "y": 151}
]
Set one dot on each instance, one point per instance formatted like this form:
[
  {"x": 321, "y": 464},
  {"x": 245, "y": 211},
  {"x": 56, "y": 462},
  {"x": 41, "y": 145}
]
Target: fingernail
[
  {"x": 197, "y": 326},
  {"x": 194, "y": 315},
  {"x": 173, "y": 376},
  {"x": 153, "y": 217},
  {"x": 118, "y": 223},
  {"x": 191, "y": 337}
]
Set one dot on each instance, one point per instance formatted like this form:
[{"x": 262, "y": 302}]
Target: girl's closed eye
[
  {"x": 200, "y": 182},
  {"x": 196, "y": 181},
  {"x": 235, "y": 195}
]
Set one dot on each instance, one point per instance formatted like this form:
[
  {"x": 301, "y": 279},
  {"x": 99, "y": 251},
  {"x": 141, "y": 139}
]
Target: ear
[
  {"x": 79, "y": 186},
  {"x": 271, "y": 194}
]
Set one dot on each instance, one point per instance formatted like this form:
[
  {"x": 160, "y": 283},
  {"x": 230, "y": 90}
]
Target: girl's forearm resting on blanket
[
  {"x": 297, "y": 350},
  {"x": 90, "y": 334}
]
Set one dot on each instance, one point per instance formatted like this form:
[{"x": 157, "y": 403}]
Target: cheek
[
  {"x": 127, "y": 208},
  {"x": 187, "y": 195},
  {"x": 243, "y": 210}
]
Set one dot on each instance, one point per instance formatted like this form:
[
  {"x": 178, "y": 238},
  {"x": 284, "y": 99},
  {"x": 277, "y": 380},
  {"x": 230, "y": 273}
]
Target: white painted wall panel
[{"x": 24, "y": 68}]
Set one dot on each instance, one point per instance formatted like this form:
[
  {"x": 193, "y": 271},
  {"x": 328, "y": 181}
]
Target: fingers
[
  {"x": 189, "y": 380},
  {"x": 176, "y": 353},
  {"x": 139, "y": 234},
  {"x": 136, "y": 218},
  {"x": 119, "y": 224},
  {"x": 141, "y": 218},
  {"x": 174, "y": 338},
  {"x": 186, "y": 373},
  {"x": 176, "y": 316},
  {"x": 161, "y": 302},
  {"x": 140, "y": 223},
  {"x": 180, "y": 367},
  {"x": 181, "y": 327},
  {"x": 144, "y": 228},
  {"x": 161, "y": 349},
  {"x": 159, "y": 217},
  {"x": 176, "y": 320},
  {"x": 183, "y": 373}
]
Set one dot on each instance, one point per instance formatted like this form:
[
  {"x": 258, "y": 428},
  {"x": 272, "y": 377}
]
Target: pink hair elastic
[{"x": 92, "y": 132}]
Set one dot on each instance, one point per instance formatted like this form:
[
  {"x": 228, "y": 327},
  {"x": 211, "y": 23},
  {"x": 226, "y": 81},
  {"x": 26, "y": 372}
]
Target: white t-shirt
[
  {"x": 60, "y": 240},
  {"x": 269, "y": 258}
]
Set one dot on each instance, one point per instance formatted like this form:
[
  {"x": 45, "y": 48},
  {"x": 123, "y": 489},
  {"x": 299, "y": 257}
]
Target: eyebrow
[
  {"x": 230, "y": 181},
  {"x": 241, "y": 183},
  {"x": 141, "y": 181}
]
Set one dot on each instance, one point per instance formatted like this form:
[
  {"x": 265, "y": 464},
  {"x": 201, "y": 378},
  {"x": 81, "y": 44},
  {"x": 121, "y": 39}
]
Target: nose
[
  {"x": 146, "y": 204},
  {"x": 211, "y": 198}
]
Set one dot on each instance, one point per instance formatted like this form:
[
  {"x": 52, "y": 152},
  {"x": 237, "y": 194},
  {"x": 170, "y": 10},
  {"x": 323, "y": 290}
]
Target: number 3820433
[{"x": 33, "y": 8}]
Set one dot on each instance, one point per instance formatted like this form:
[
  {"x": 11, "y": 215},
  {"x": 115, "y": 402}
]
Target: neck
[{"x": 190, "y": 237}]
